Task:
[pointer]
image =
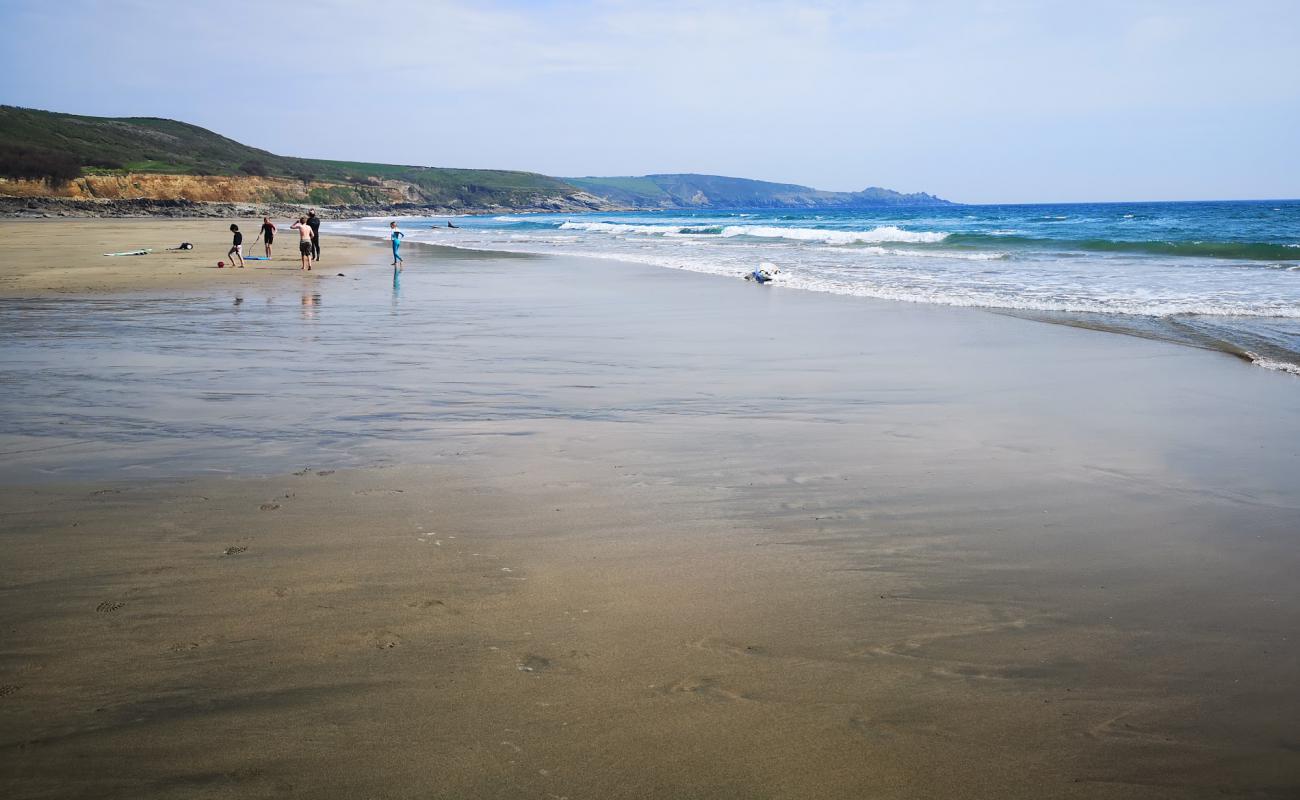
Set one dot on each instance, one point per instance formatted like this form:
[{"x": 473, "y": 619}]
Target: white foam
[
  {"x": 1136, "y": 286},
  {"x": 883, "y": 233},
  {"x": 621, "y": 228},
  {"x": 1274, "y": 364},
  {"x": 894, "y": 251}
]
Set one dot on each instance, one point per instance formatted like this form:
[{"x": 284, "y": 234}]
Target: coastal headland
[
  {"x": 54, "y": 164},
  {"x": 519, "y": 526}
]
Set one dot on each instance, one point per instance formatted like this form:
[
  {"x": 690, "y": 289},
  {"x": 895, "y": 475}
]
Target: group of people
[{"x": 308, "y": 228}]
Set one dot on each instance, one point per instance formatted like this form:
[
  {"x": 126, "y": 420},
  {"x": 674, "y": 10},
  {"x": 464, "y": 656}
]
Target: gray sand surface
[{"x": 597, "y": 530}]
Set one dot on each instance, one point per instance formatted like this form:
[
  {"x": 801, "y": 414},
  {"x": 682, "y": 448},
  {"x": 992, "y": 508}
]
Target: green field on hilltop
[
  {"x": 57, "y": 148},
  {"x": 54, "y": 147}
]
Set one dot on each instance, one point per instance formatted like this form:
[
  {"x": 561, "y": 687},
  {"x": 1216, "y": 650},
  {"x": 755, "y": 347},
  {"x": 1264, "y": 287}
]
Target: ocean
[{"x": 1216, "y": 275}]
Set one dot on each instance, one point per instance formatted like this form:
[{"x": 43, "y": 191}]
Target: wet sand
[{"x": 679, "y": 537}]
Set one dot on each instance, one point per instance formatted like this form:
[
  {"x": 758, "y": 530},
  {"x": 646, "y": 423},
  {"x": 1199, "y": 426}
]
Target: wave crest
[
  {"x": 1241, "y": 251},
  {"x": 883, "y": 233}
]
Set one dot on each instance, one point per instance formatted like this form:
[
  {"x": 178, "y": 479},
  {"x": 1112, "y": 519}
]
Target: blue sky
[{"x": 977, "y": 101}]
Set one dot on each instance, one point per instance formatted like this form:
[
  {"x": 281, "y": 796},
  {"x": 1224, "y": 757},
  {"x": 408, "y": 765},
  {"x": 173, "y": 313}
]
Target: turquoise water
[{"x": 1223, "y": 275}]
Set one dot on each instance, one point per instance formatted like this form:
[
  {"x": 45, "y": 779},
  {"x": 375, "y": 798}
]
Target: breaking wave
[
  {"x": 883, "y": 233},
  {"x": 1246, "y": 251}
]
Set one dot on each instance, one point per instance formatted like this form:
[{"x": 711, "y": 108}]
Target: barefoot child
[
  {"x": 236, "y": 246},
  {"x": 397, "y": 244}
]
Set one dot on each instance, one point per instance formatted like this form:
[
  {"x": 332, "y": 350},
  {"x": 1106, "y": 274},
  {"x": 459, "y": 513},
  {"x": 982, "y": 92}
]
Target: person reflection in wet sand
[
  {"x": 310, "y": 302},
  {"x": 396, "y": 236}
]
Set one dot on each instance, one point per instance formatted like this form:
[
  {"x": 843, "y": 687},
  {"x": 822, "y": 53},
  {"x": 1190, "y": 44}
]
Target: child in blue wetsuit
[{"x": 397, "y": 243}]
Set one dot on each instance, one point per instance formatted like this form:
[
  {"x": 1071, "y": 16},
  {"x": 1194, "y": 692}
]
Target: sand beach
[
  {"x": 518, "y": 526},
  {"x": 66, "y": 256}
]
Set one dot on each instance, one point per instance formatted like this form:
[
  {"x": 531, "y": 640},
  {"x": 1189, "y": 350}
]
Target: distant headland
[{"x": 71, "y": 165}]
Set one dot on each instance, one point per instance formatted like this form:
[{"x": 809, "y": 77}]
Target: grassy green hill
[
  {"x": 45, "y": 145},
  {"x": 59, "y": 148}
]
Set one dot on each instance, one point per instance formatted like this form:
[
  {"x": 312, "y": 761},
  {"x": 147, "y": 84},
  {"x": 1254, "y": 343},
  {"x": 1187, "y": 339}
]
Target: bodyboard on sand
[
  {"x": 143, "y": 252},
  {"x": 256, "y": 258}
]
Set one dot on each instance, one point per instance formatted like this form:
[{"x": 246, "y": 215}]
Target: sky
[{"x": 978, "y": 101}]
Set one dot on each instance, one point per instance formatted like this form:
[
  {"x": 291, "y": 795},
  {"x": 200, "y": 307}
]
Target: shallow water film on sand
[
  {"x": 519, "y": 526},
  {"x": 1222, "y": 276}
]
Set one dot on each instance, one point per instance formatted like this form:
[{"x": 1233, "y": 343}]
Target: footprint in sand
[
  {"x": 269, "y": 506},
  {"x": 109, "y": 606},
  {"x": 234, "y": 550},
  {"x": 308, "y": 470},
  {"x": 186, "y": 646},
  {"x": 431, "y": 605},
  {"x": 706, "y": 687},
  {"x": 723, "y": 647},
  {"x": 384, "y": 640},
  {"x": 8, "y": 689},
  {"x": 1011, "y": 672},
  {"x": 193, "y": 498},
  {"x": 1119, "y": 728},
  {"x": 533, "y": 663},
  {"x": 913, "y": 648}
]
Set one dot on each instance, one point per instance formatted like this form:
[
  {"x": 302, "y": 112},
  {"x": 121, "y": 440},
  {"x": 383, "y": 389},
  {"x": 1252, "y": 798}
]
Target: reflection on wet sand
[{"x": 736, "y": 544}]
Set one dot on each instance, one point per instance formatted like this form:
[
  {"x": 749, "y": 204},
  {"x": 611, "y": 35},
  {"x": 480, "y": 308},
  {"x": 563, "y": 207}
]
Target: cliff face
[
  {"x": 67, "y": 158},
  {"x": 78, "y": 161},
  {"x": 210, "y": 189}
]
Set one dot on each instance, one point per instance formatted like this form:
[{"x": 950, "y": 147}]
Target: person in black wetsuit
[
  {"x": 267, "y": 235},
  {"x": 313, "y": 222}
]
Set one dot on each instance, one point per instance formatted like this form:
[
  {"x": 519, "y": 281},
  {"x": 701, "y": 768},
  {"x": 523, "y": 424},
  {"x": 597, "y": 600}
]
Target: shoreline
[
  {"x": 88, "y": 272},
  {"x": 1119, "y": 324}
]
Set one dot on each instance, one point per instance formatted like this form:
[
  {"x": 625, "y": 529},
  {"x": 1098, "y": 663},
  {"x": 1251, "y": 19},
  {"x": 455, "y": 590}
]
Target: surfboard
[{"x": 131, "y": 253}]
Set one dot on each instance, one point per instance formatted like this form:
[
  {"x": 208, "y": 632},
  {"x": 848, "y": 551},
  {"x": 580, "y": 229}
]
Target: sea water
[{"x": 1219, "y": 275}]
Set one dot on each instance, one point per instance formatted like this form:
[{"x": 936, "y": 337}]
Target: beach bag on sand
[{"x": 182, "y": 246}]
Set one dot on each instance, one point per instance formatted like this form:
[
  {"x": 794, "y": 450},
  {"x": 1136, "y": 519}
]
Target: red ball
[{"x": 221, "y": 264}]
